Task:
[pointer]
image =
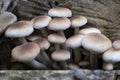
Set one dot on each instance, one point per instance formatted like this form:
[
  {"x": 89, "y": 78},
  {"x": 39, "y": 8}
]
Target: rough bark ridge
[{"x": 103, "y": 14}]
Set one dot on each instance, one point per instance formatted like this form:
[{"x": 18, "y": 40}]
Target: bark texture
[{"x": 103, "y": 14}]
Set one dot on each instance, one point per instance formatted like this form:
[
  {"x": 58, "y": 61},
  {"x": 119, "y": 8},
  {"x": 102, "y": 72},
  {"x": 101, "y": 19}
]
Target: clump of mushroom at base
[{"x": 44, "y": 43}]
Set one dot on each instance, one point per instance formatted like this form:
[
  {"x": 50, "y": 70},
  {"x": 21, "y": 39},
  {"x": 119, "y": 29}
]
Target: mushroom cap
[
  {"x": 59, "y": 24},
  {"x": 6, "y": 19},
  {"x": 89, "y": 30},
  {"x": 78, "y": 21},
  {"x": 19, "y": 29},
  {"x": 60, "y": 55},
  {"x": 43, "y": 43},
  {"x": 74, "y": 41},
  {"x": 56, "y": 38},
  {"x": 41, "y": 21},
  {"x": 112, "y": 55},
  {"x": 96, "y": 42},
  {"x": 33, "y": 37},
  {"x": 60, "y": 12},
  {"x": 25, "y": 52},
  {"x": 116, "y": 44}
]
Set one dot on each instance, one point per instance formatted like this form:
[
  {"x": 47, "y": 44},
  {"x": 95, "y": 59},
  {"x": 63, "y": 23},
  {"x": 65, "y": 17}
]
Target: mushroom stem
[
  {"x": 77, "y": 56},
  {"x": 19, "y": 41},
  {"x": 76, "y": 30},
  {"x": 64, "y": 65},
  {"x": 61, "y": 33},
  {"x": 57, "y": 46},
  {"x": 93, "y": 60},
  {"x": 47, "y": 59},
  {"x": 35, "y": 64},
  {"x": 44, "y": 32},
  {"x": 43, "y": 58}
]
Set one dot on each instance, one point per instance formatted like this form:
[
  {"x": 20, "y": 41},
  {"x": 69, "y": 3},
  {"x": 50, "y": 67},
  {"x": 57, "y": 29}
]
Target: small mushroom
[
  {"x": 97, "y": 44},
  {"x": 56, "y": 39},
  {"x": 61, "y": 56},
  {"x": 89, "y": 30},
  {"x": 116, "y": 44},
  {"x": 44, "y": 45},
  {"x": 26, "y": 53},
  {"x": 19, "y": 30},
  {"x": 77, "y": 21},
  {"x": 111, "y": 56},
  {"x": 60, "y": 12},
  {"x": 75, "y": 42},
  {"x": 40, "y": 22},
  {"x": 59, "y": 24}
]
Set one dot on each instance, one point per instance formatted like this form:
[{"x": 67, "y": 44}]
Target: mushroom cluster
[{"x": 44, "y": 42}]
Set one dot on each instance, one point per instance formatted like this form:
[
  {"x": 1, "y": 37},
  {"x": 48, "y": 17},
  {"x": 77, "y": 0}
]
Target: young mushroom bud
[
  {"x": 96, "y": 43},
  {"x": 61, "y": 56},
  {"x": 26, "y": 53},
  {"x": 40, "y": 22},
  {"x": 19, "y": 30},
  {"x": 60, "y": 12}
]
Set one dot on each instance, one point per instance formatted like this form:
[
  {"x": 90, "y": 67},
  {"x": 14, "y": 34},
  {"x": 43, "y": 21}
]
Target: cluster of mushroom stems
[{"x": 43, "y": 44}]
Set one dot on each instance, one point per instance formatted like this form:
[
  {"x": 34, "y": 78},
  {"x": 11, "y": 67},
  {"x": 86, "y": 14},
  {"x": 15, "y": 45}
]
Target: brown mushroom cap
[
  {"x": 25, "y": 52},
  {"x": 60, "y": 12},
  {"x": 19, "y": 29},
  {"x": 96, "y": 42},
  {"x": 116, "y": 44},
  {"x": 43, "y": 43},
  {"x": 78, "y": 21},
  {"x": 56, "y": 38},
  {"x": 74, "y": 41},
  {"x": 59, "y": 24},
  {"x": 41, "y": 21},
  {"x": 60, "y": 55}
]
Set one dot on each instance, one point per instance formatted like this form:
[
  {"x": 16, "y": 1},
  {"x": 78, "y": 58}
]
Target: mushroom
[
  {"x": 96, "y": 43},
  {"x": 56, "y": 39},
  {"x": 75, "y": 42},
  {"x": 43, "y": 56},
  {"x": 61, "y": 56},
  {"x": 59, "y": 24},
  {"x": 77, "y": 21},
  {"x": 89, "y": 30},
  {"x": 111, "y": 56},
  {"x": 116, "y": 44},
  {"x": 6, "y": 19},
  {"x": 107, "y": 66},
  {"x": 19, "y": 30},
  {"x": 60, "y": 12},
  {"x": 26, "y": 53},
  {"x": 40, "y": 22}
]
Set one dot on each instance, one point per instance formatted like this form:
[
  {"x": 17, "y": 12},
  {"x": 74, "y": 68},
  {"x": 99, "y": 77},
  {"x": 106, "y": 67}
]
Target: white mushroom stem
[
  {"x": 35, "y": 64},
  {"x": 77, "y": 55},
  {"x": 76, "y": 30},
  {"x": 93, "y": 60},
  {"x": 61, "y": 33},
  {"x": 43, "y": 57}
]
